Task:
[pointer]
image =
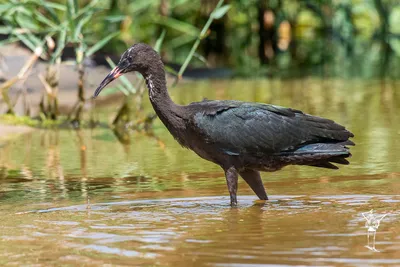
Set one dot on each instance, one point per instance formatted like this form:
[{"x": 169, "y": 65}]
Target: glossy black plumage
[
  {"x": 250, "y": 128},
  {"x": 243, "y": 138}
]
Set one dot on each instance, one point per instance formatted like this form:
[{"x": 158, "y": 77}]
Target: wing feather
[{"x": 240, "y": 127}]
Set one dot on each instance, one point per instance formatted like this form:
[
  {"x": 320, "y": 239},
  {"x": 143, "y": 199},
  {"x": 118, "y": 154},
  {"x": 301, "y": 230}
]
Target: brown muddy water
[{"x": 83, "y": 198}]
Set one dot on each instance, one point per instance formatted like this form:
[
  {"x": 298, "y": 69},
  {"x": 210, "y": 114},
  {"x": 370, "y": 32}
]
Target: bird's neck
[{"x": 168, "y": 112}]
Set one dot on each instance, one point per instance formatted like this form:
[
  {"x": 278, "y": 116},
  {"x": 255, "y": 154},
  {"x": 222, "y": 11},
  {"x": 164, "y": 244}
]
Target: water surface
[{"x": 83, "y": 197}]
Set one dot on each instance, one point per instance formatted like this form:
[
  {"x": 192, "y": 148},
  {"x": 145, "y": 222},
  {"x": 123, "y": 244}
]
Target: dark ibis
[{"x": 243, "y": 138}]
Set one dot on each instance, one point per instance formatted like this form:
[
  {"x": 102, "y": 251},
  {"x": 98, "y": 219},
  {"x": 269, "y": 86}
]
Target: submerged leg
[
  {"x": 231, "y": 176},
  {"x": 253, "y": 179}
]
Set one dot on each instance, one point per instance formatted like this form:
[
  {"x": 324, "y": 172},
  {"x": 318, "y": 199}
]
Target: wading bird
[{"x": 243, "y": 138}]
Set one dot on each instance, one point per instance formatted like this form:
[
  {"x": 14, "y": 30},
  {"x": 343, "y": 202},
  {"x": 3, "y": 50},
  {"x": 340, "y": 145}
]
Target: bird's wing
[{"x": 240, "y": 127}]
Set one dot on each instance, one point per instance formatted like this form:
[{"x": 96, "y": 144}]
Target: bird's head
[{"x": 136, "y": 58}]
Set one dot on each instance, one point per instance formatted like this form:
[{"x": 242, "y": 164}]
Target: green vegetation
[
  {"x": 49, "y": 28},
  {"x": 251, "y": 37},
  {"x": 258, "y": 36}
]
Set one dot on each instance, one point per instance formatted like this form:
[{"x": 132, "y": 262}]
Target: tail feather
[
  {"x": 327, "y": 163},
  {"x": 334, "y": 149},
  {"x": 339, "y": 160},
  {"x": 346, "y": 143},
  {"x": 321, "y": 155}
]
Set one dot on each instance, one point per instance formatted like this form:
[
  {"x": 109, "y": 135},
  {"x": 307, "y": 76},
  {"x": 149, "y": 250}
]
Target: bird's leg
[
  {"x": 253, "y": 179},
  {"x": 231, "y": 176}
]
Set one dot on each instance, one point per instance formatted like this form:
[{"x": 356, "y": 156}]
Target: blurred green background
[{"x": 347, "y": 38}]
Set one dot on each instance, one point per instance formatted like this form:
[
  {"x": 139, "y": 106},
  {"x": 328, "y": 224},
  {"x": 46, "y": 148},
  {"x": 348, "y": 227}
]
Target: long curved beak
[{"x": 114, "y": 74}]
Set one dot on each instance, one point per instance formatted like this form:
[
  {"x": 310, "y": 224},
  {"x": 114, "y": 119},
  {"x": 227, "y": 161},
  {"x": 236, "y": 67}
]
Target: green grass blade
[
  {"x": 200, "y": 57},
  {"x": 23, "y": 10},
  {"x": 50, "y": 10},
  {"x": 197, "y": 42},
  {"x": 81, "y": 23},
  {"x": 71, "y": 7},
  {"x": 40, "y": 17},
  {"x": 180, "y": 41},
  {"x": 115, "y": 18},
  {"x": 71, "y": 14},
  {"x": 35, "y": 40},
  {"x": 179, "y": 26},
  {"x": 60, "y": 45},
  {"x": 76, "y": 6},
  {"x": 5, "y": 7},
  {"x": 100, "y": 44},
  {"x": 26, "y": 41},
  {"x": 47, "y": 4},
  {"x": 23, "y": 17},
  {"x": 159, "y": 41},
  {"x": 88, "y": 7},
  {"x": 220, "y": 12},
  {"x": 139, "y": 6},
  {"x": 5, "y": 30}
]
